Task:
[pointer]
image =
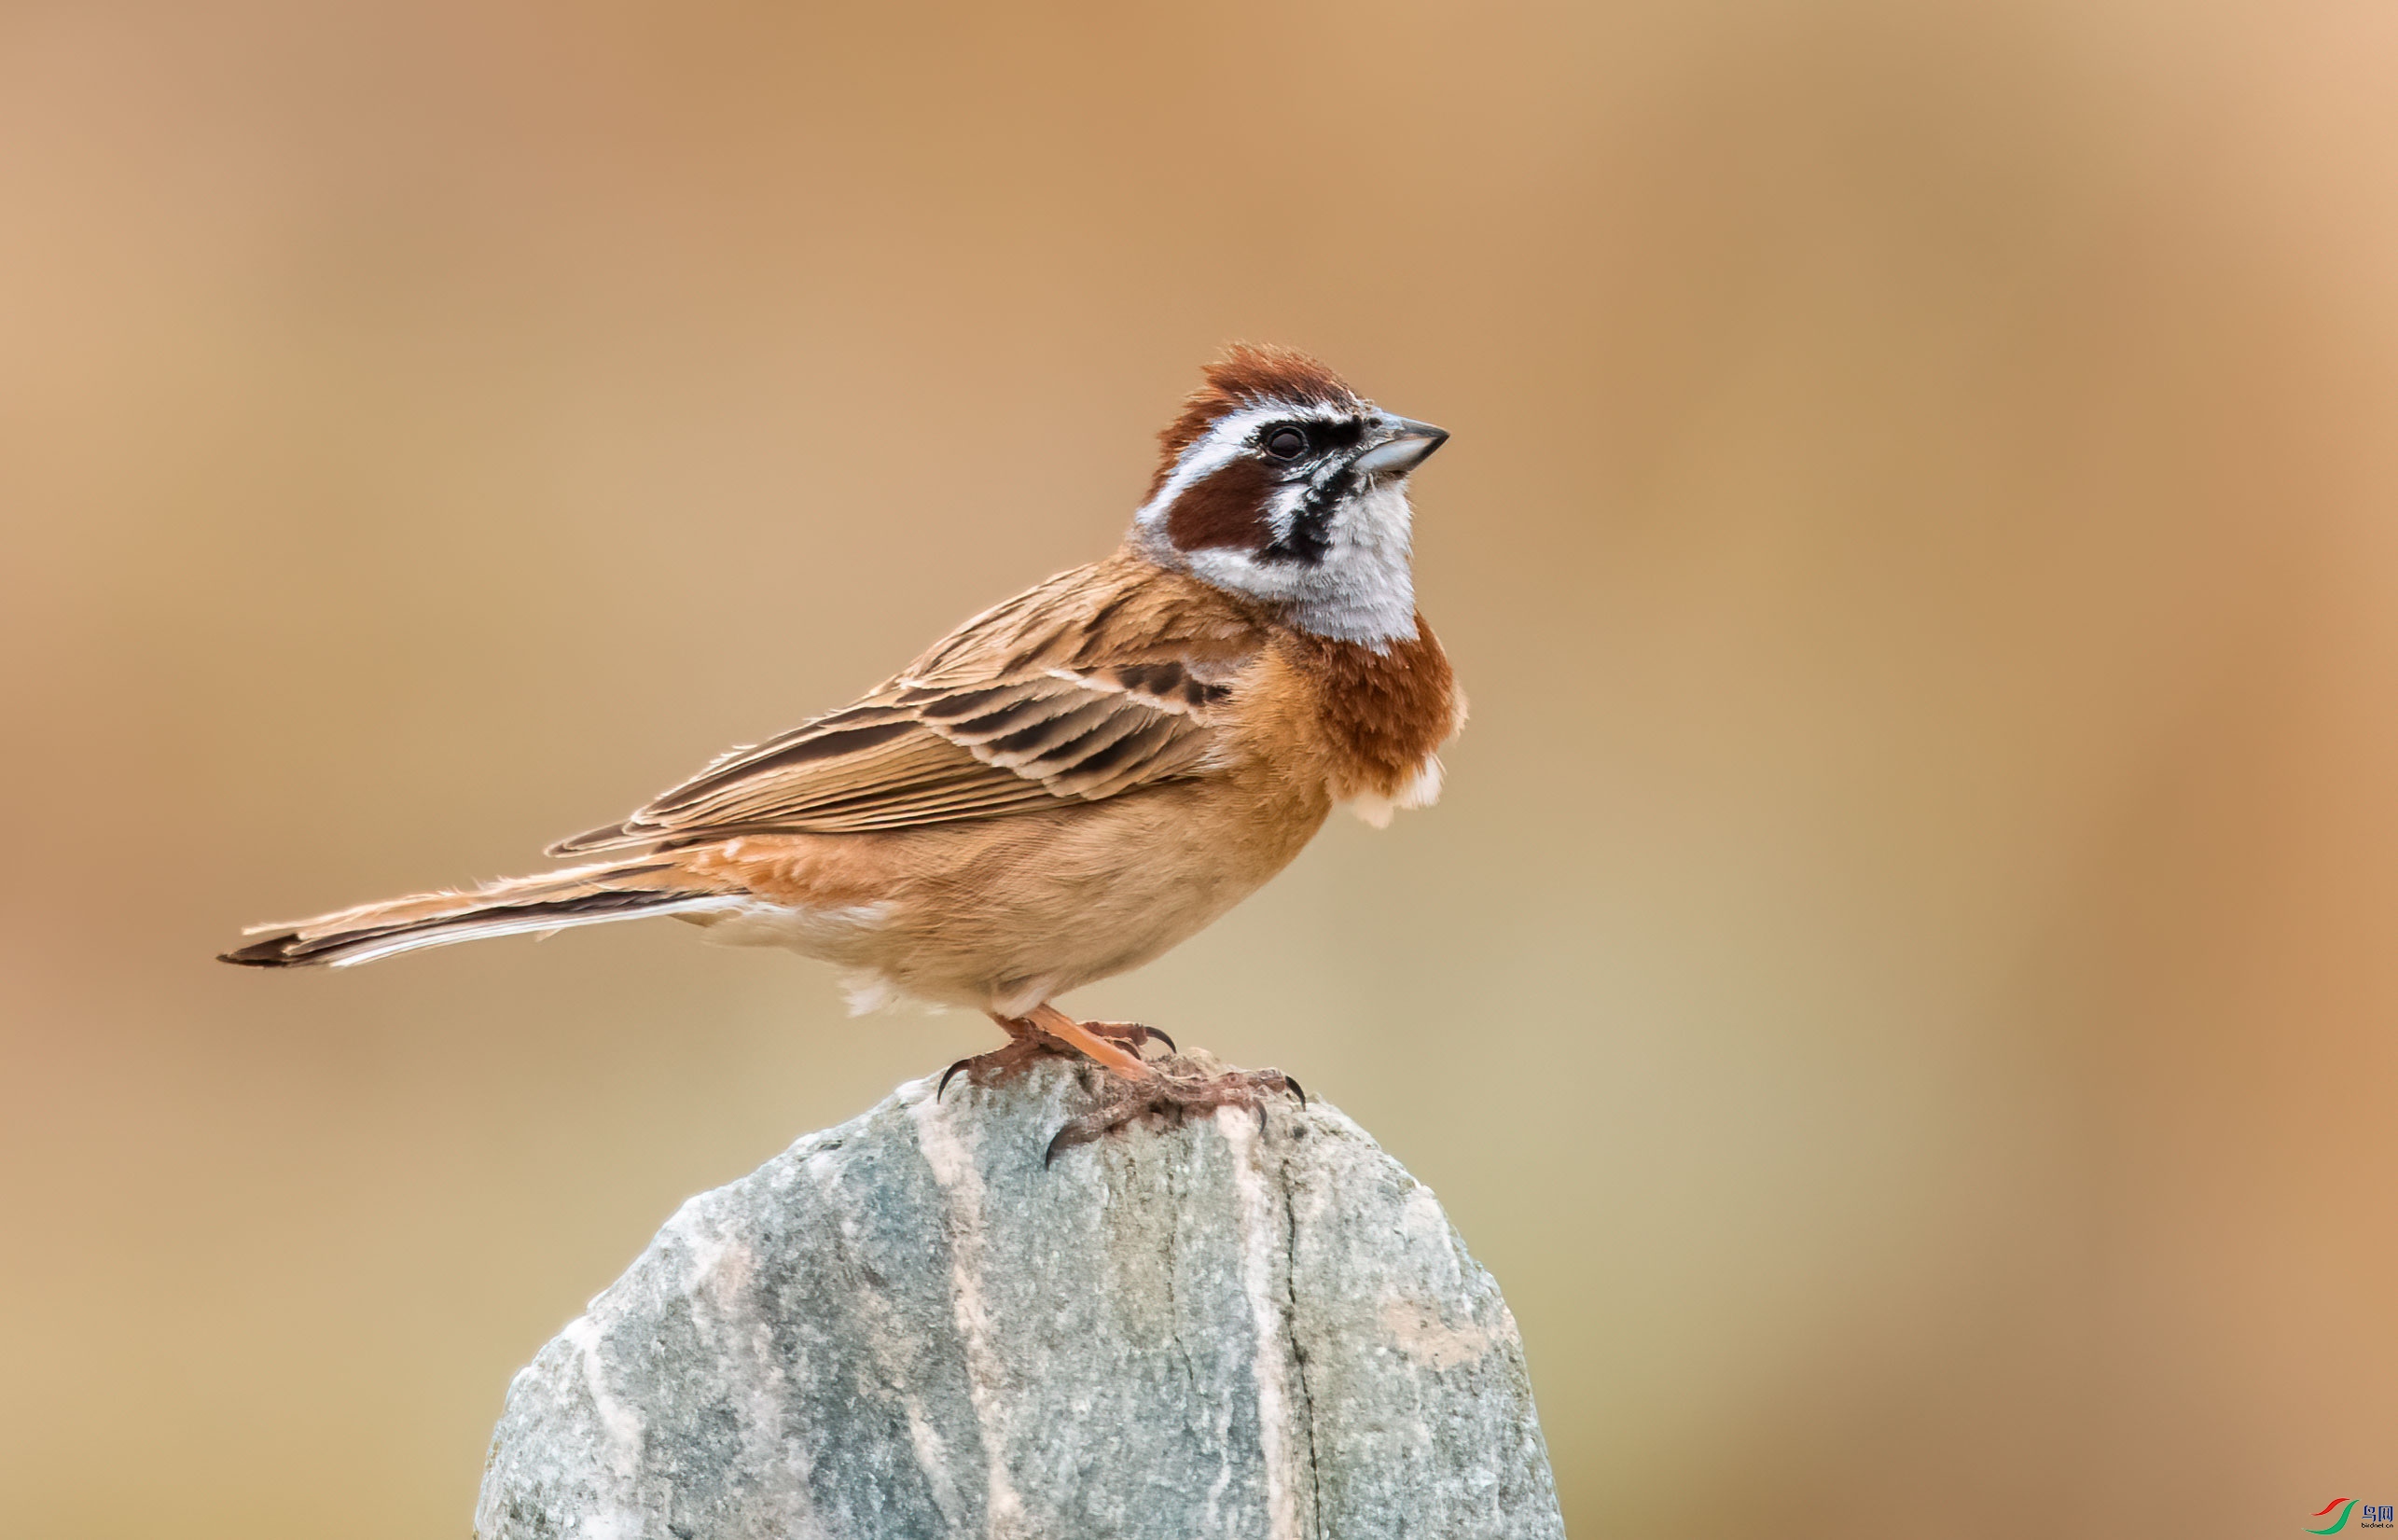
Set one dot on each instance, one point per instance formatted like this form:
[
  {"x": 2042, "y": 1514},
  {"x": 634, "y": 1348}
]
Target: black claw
[
  {"x": 946, "y": 1074},
  {"x": 1051, "y": 1153},
  {"x": 1162, "y": 1038},
  {"x": 1261, "y": 1117},
  {"x": 1291, "y": 1082}
]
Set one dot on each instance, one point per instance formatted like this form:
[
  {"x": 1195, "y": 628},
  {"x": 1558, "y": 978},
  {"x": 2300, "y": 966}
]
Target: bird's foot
[
  {"x": 1175, "y": 1091},
  {"x": 1028, "y": 1041},
  {"x": 985, "y": 1070},
  {"x": 1133, "y": 1034}
]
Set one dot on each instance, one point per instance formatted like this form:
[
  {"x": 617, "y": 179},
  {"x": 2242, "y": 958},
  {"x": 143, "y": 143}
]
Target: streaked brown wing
[{"x": 1098, "y": 681}]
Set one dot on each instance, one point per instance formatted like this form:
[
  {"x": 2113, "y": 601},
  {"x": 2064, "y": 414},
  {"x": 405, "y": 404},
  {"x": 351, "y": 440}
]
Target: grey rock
[{"x": 909, "y": 1326}]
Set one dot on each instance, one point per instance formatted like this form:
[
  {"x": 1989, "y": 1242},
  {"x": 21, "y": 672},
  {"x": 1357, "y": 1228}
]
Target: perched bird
[{"x": 1069, "y": 783}]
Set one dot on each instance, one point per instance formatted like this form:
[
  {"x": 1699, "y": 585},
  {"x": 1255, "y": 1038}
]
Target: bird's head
[{"x": 1279, "y": 483}]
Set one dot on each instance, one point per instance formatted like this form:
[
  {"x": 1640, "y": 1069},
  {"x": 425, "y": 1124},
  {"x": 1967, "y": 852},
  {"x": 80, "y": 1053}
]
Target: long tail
[{"x": 580, "y": 895}]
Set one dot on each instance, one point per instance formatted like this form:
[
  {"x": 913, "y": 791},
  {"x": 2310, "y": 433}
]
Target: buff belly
[{"x": 1002, "y": 914}]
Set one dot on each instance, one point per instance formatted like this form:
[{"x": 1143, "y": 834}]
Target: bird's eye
[{"x": 1285, "y": 443}]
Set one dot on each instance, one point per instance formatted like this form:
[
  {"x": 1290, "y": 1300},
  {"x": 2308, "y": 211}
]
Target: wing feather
[{"x": 1097, "y": 682}]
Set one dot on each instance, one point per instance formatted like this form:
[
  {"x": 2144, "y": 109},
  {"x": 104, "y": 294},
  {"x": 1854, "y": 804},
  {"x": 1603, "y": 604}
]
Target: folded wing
[{"x": 1101, "y": 681}]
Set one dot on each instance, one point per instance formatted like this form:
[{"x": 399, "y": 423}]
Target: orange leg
[
  {"x": 1170, "y": 1090},
  {"x": 1114, "y": 1045},
  {"x": 1065, "y": 1029}
]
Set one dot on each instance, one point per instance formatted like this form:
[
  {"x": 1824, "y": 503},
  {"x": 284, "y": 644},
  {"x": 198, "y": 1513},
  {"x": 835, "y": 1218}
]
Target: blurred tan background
[{"x": 1900, "y": 990}]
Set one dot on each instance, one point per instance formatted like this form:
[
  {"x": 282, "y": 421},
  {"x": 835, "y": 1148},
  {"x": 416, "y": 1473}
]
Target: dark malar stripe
[{"x": 1309, "y": 540}]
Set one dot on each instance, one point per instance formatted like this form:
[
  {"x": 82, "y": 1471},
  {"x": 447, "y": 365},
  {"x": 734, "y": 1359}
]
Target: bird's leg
[
  {"x": 1074, "y": 1034},
  {"x": 1169, "y": 1090},
  {"x": 1046, "y": 1030},
  {"x": 1131, "y": 1035}
]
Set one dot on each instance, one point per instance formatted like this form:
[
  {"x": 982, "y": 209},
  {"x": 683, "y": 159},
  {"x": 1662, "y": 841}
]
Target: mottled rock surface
[{"x": 907, "y": 1326}]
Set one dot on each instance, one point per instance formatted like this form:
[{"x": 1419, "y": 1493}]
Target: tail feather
[{"x": 554, "y": 901}]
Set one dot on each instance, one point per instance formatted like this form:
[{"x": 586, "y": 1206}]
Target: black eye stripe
[{"x": 1296, "y": 440}]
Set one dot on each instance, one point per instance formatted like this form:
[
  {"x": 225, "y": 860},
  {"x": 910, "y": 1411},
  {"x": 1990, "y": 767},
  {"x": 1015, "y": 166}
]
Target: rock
[{"x": 909, "y": 1326}]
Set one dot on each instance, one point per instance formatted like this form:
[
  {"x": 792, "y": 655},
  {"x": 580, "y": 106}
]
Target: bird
[{"x": 1070, "y": 783}]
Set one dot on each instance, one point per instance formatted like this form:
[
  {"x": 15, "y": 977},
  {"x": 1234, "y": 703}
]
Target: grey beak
[{"x": 1411, "y": 445}]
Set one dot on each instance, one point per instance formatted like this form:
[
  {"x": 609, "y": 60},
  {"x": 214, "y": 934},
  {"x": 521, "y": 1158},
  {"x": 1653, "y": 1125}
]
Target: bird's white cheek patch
[{"x": 1421, "y": 791}]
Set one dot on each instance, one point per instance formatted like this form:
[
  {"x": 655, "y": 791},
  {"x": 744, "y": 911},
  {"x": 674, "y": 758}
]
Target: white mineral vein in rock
[
  {"x": 953, "y": 1168},
  {"x": 1262, "y": 1231}
]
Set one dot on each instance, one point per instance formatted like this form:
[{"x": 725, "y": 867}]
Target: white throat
[{"x": 1364, "y": 589}]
